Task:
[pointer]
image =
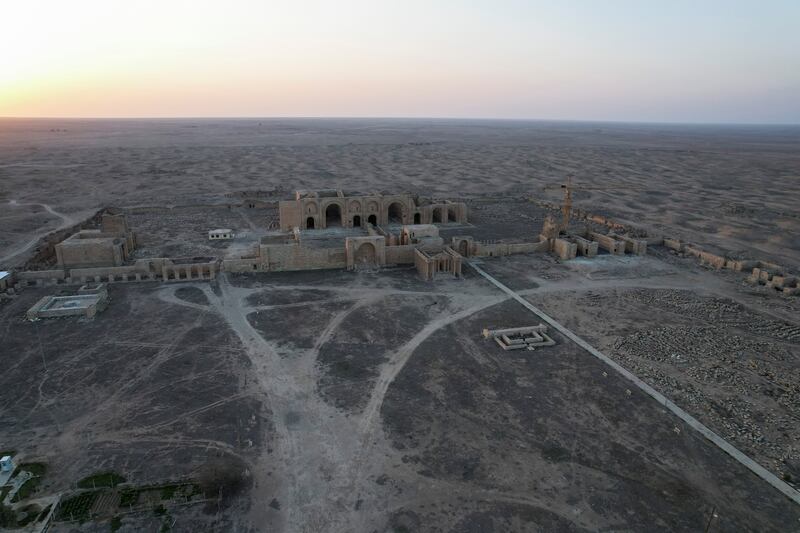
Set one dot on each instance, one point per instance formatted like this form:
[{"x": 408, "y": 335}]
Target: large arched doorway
[
  {"x": 417, "y": 218},
  {"x": 463, "y": 248},
  {"x": 437, "y": 215},
  {"x": 372, "y": 219},
  {"x": 333, "y": 215},
  {"x": 365, "y": 255},
  {"x": 310, "y": 223},
  {"x": 451, "y": 215},
  {"x": 395, "y": 213},
  {"x": 356, "y": 221}
]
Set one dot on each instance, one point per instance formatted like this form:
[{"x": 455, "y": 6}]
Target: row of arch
[{"x": 334, "y": 216}]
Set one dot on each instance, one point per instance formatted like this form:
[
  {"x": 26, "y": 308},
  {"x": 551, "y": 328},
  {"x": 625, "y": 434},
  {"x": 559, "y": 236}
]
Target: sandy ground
[
  {"x": 735, "y": 188},
  {"x": 369, "y": 401}
]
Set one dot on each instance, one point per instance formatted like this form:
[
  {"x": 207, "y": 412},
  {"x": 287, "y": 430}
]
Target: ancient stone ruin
[
  {"x": 331, "y": 229},
  {"x": 525, "y": 338}
]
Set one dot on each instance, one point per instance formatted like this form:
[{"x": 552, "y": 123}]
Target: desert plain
[{"x": 369, "y": 401}]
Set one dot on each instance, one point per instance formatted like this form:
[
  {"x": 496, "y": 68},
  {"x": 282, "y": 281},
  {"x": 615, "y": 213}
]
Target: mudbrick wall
[{"x": 44, "y": 256}]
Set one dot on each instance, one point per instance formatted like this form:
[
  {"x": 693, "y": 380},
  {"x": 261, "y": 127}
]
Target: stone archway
[
  {"x": 395, "y": 213},
  {"x": 333, "y": 215},
  {"x": 357, "y": 221},
  {"x": 366, "y": 256},
  {"x": 417, "y": 218},
  {"x": 451, "y": 215},
  {"x": 373, "y": 219},
  {"x": 463, "y": 248},
  {"x": 437, "y": 215},
  {"x": 310, "y": 223}
]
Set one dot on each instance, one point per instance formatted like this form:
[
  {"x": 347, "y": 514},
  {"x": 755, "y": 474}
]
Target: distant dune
[{"x": 732, "y": 187}]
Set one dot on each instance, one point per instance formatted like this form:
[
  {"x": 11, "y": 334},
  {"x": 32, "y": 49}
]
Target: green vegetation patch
[
  {"x": 31, "y": 513},
  {"x": 44, "y": 513},
  {"x": 77, "y": 507},
  {"x": 8, "y": 518},
  {"x": 28, "y": 488},
  {"x": 128, "y": 496},
  {"x": 101, "y": 479},
  {"x": 37, "y": 469},
  {"x": 168, "y": 491}
]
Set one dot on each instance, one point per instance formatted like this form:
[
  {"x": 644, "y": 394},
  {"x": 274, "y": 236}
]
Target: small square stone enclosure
[{"x": 80, "y": 304}]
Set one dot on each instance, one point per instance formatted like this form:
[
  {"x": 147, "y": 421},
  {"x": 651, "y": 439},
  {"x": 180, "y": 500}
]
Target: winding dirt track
[
  {"x": 324, "y": 456},
  {"x": 324, "y": 460},
  {"x": 20, "y": 249}
]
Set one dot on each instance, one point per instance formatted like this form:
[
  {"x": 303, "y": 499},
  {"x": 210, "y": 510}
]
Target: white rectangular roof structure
[{"x": 4, "y": 274}]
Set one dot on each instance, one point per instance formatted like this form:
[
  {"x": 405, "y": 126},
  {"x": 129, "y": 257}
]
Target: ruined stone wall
[
  {"x": 104, "y": 272},
  {"x": 714, "y": 260},
  {"x": 463, "y": 244},
  {"x": 634, "y": 246},
  {"x": 187, "y": 271},
  {"x": 605, "y": 221},
  {"x": 610, "y": 244},
  {"x": 77, "y": 252},
  {"x": 400, "y": 255},
  {"x": 455, "y": 261},
  {"x": 585, "y": 247},
  {"x": 778, "y": 280},
  {"x": 297, "y": 257},
  {"x": 44, "y": 255},
  {"x": 426, "y": 267},
  {"x": 763, "y": 272},
  {"x": 144, "y": 270},
  {"x": 564, "y": 249},
  {"x": 246, "y": 264},
  {"x": 365, "y": 252},
  {"x": 290, "y": 215},
  {"x": 311, "y": 209},
  {"x": 673, "y": 244},
  {"x": 482, "y": 249},
  {"x": 442, "y": 213},
  {"x": 33, "y": 275}
]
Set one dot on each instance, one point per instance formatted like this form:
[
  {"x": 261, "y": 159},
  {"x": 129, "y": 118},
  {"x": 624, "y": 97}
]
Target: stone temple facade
[
  {"x": 332, "y": 208},
  {"x": 329, "y": 229},
  {"x": 111, "y": 245}
]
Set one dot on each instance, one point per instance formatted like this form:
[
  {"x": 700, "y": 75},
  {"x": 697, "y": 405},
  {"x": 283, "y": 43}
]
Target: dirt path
[
  {"x": 311, "y": 440},
  {"x": 322, "y": 457},
  {"x": 689, "y": 420},
  {"x": 323, "y": 460},
  {"x": 15, "y": 251}
]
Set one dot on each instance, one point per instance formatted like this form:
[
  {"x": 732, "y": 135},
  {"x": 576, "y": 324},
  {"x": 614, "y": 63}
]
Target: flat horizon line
[{"x": 404, "y": 118}]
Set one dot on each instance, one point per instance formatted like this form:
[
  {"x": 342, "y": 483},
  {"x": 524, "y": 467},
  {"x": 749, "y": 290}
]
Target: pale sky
[{"x": 625, "y": 60}]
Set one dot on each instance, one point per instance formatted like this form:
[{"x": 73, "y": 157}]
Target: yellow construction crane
[{"x": 568, "y": 187}]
